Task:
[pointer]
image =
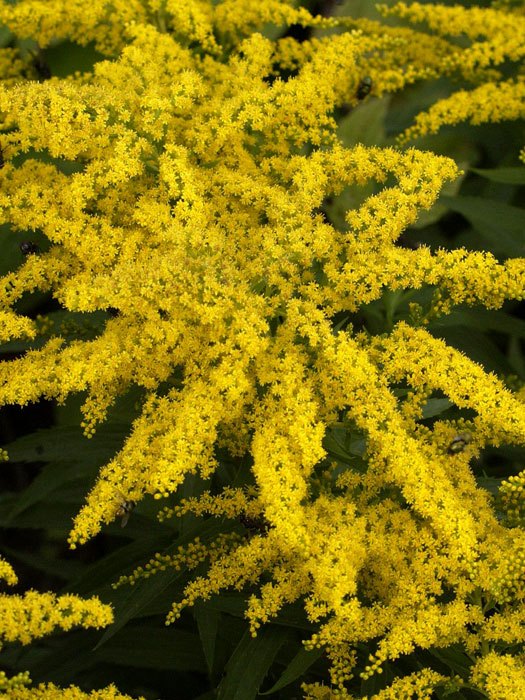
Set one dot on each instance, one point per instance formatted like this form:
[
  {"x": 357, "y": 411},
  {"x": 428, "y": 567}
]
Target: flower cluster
[
  {"x": 49, "y": 691},
  {"x": 33, "y": 615},
  {"x": 501, "y": 676},
  {"x": 181, "y": 185},
  {"x": 492, "y": 57},
  {"x": 512, "y": 498}
]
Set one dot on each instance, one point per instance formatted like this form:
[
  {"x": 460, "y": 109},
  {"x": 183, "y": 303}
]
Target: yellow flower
[
  {"x": 49, "y": 691},
  {"x": 34, "y": 615},
  {"x": 24, "y": 618},
  {"x": 502, "y": 677},
  {"x": 183, "y": 187}
]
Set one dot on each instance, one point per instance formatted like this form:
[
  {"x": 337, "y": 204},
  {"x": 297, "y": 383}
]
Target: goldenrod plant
[{"x": 225, "y": 258}]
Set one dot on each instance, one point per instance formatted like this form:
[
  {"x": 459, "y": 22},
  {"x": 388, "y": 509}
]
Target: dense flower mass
[
  {"x": 181, "y": 185},
  {"x": 50, "y": 691},
  {"x": 34, "y": 615}
]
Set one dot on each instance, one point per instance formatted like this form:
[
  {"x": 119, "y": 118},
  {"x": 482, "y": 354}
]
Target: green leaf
[
  {"x": 136, "y": 598},
  {"x": 110, "y": 567},
  {"x": 208, "y": 625},
  {"x": 440, "y": 208},
  {"x": 61, "y": 568},
  {"x": 75, "y": 325},
  {"x": 146, "y": 591},
  {"x": 5, "y": 36},
  {"x": 52, "y": 515},
  {"x": 52, "y": 477},
  {"x": 250, "y": 662},
  {"x": 476, "y": 345},
  {"x": 296, "y": 668},
  {"x": 147, "y": 647},
  {"x": 67, "y": 57},
  {"x": 12, "y": 258},
  {"x": 483, "y": 320},
  {"x": 16, "y": 347},
  {"x": 64, "y": 443},
  {"x": 509, "y": 176},
  {"x": 434, "y": 407},
  {"x": 365, "y": 124},
  {"x": 64, "y": 657},
  {"x": 290, "y": 616},
  {"x": 455, "y": 658},
  {"x": 234, "y": 605},
  {"x": 500, "y": 224},
  {"x": 377, "y": 682},
  {"x": 515, "y": 356},
  {"x": 489, "y": 483},
  {"x": 334, "y": 449},
  {"x": 336, "y": 444}
]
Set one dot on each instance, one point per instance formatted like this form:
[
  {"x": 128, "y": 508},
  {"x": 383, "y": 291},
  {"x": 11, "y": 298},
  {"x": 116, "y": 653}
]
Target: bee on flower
[
  {"x": 458, "y": 443},
  {"x": 364, "y": 87},
  {"x": 125, "y": 509}
]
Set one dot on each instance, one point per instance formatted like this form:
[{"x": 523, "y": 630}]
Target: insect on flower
[
  {"x": 364, "y": 87},
  {"x": 125, "y": 509},
  {"x": 458, "y": 443},
  {"x": 254, "y": 525},
  {"x": 39, "y": 65},
  {"x": 28, "y": 247}
]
